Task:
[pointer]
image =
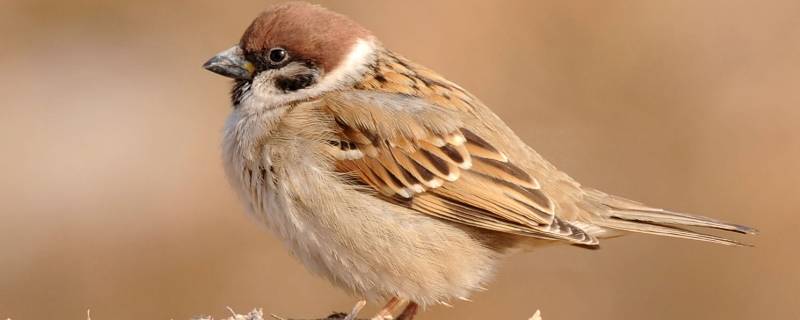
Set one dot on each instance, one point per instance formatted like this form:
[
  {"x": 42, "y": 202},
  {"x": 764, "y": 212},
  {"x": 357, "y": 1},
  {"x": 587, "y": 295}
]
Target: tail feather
[
  {"x": 628, "y": 215},
  {"x": 663, "y": 230},
  {"x": 669, "y": 217}
]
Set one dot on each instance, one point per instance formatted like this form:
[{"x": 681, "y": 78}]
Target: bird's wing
[
  {"x": 420, "y": 155},
  {"x": 405, "y": 139}
]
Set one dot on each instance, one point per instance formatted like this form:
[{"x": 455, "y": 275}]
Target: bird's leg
[
  {"x": 356, "y": 309},
  {"x": 388, "y": 309},
  {"x": 409, "y": 312}
]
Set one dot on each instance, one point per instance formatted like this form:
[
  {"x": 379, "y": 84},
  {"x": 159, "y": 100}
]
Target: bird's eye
[{"x": 277, "y": 55}]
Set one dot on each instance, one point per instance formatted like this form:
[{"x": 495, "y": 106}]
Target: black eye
[{"x": 277, "y": 55}]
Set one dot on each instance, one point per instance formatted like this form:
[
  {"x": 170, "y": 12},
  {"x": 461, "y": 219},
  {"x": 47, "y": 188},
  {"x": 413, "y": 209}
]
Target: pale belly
[{"x": 360, "y": 243}]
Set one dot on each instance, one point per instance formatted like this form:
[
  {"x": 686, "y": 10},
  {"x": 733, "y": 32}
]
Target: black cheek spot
[{"x": 301, "y": 81}]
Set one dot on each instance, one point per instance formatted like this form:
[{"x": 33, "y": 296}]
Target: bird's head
[{"x": 293, "y": 52}]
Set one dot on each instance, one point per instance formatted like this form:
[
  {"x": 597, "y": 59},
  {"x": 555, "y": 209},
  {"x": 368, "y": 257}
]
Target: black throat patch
[{"x": 240, "y": 89}]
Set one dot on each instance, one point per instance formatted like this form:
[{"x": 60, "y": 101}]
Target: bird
[{"x": 391, "y": 181}]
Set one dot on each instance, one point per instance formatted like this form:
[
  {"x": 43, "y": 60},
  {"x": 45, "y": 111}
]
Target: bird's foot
[{"x": 356, "y": 309}]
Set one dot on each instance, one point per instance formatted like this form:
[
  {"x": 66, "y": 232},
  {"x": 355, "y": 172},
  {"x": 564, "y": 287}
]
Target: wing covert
[{"x": 421, "y": 156}]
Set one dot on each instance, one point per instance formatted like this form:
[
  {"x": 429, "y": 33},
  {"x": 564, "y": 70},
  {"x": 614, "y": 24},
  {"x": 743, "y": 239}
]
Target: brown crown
[{"x": 307, "y": 31}]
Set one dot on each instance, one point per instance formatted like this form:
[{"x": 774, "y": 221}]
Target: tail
[{"x": 627, "y": 215}]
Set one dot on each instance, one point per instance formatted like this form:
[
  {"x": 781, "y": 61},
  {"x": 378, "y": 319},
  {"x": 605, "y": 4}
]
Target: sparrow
[{"x": 391, "y": 181}]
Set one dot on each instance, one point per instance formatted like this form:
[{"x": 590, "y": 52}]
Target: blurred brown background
[{"x": 112, "y": 195}]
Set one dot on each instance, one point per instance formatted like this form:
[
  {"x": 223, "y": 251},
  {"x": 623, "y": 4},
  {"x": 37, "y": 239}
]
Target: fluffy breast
[{"x": 360, "y": 243}]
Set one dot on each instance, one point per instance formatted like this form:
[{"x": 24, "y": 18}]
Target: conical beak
[{"x": 231, "y": 63}]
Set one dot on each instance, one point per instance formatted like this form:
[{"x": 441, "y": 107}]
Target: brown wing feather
[
  {"x": 435, "y": 164},
  {"x": 419, "y": 155}
]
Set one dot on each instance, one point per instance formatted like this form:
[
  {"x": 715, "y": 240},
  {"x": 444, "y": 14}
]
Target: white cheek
[
  {"x": 357, "y": 62},
  {"x": 263, "y": 85}
]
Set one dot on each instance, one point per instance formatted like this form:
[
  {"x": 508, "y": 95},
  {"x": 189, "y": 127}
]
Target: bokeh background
[{"x": 112, "y": 195}]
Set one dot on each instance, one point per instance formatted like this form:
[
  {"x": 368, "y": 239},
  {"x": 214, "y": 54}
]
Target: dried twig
[{"x": 258, "y": 314}]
